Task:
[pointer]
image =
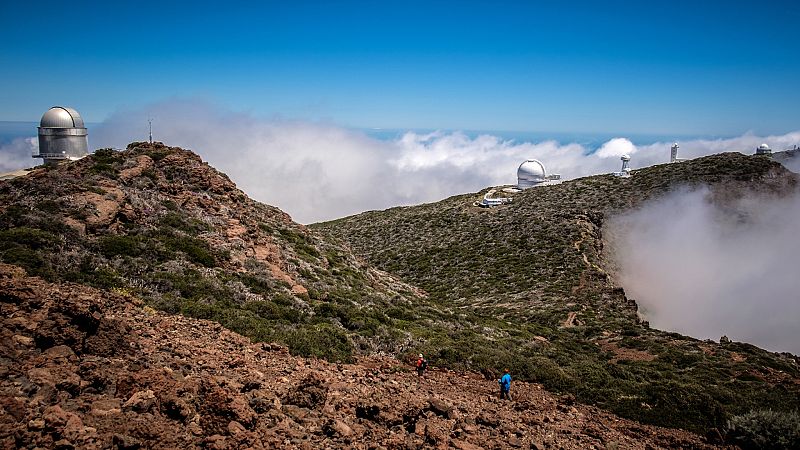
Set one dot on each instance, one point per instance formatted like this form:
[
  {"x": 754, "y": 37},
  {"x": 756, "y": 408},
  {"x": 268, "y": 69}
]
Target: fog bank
[{"x": 699, "y": 270}]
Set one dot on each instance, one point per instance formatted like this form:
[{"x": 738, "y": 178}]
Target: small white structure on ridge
[
  {"x": 673, "y": 154},
  {"x": 763, "y": 149},
  {"x": 489, "y": 200},
  {"x": 625, "y": 171},
  {"x": 532, "y": 173}
]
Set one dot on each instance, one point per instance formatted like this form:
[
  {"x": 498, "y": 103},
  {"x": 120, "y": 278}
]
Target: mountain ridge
[
  {"x": 537, "y": 268},
  {"x": 156, "y": 226},
  {"x": 94, "y": 369}
]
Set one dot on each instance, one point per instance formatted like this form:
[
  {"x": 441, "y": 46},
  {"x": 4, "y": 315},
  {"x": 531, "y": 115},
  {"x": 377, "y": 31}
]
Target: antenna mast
[{"x": 150, "y": 124}]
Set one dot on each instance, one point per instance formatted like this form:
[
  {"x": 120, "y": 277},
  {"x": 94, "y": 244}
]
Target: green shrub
[
  {"x": 197, "y": 250},
  {"x": 765, "y": 429},
  {"x": 111, "y": 246},
  {"x": 272, "y": 311},
  {"x": 13, "y": 216},
  {"x": 191, "y": 285},
  {"x": 103, "y": 168},
  {"x": 401, "y": 313},
  {"x": 180, "y": 222},
  {"x": 102, "y": 277},
  {"x": 320, "y": 341},
  {"x": 157, "y": 155},
  {"x": 105, "y": 154},
  {"x": 25, "y": 247},
  {"x": 24, "y": 257},
  {"x": 29, "y": 237},
  {"x": 104, "y": 161}
]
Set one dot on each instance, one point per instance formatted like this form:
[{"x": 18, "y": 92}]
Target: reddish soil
[{"x": 81, "y": 368}]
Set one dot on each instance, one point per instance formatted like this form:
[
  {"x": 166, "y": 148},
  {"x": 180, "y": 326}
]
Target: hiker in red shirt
[{"x": 422, "y": 364}]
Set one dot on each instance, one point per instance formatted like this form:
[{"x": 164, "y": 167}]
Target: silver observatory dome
[
  {"x": 531, "y": 173},
  {"x": 62, "y": 136}
]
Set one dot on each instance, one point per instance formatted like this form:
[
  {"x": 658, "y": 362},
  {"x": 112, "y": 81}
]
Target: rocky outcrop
[
  {"x": 159, "y": 222},
  {"x": 117, "y": 374}
]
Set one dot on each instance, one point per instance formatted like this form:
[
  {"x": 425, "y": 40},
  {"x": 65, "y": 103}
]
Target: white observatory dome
[
  {"x": 61, "y": 117},
  {"x": 625, "y": 157},
  {"x": 532, "y": 173},
  {"x": 531, "y": 170},
  {"x": 763, "y": 147}
]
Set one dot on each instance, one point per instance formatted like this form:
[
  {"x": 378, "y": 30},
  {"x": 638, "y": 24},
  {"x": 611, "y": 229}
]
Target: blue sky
[{"x": 703, "y": 68}]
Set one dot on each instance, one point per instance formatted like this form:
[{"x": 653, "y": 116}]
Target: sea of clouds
[{"x": 319, "y": 171}]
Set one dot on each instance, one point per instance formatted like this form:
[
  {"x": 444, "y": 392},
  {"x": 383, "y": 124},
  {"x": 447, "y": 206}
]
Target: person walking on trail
[
  {"x": 505, "y": 385},
  {"x": 422, "y": 364}
]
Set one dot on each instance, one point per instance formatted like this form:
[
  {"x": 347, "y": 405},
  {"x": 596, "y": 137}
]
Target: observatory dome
[
  {"x": 61, "y": 117},
  {"x": 531, "y": 170},
  {"x": 763, "y": 149},
  {"x": 62, "y": 136},
  {"x": 532, "y": 173}
]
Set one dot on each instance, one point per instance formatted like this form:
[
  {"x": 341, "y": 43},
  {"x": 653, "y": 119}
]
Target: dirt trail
[{"x": 584, "y": 226}]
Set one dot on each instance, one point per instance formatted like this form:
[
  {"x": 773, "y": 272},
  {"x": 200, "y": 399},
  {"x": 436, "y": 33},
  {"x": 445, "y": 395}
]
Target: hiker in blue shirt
[{"x": 505, "y": 385}]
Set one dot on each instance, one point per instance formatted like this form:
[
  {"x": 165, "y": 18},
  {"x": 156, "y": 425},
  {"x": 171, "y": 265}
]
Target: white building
[
  {"x": 625, "y": 172},
  {"x": 532, "y": 173},
  {"x": 673, "y": 154},
  {"x": 489, "y": 200},
  {"x": 763, "y": 149}
]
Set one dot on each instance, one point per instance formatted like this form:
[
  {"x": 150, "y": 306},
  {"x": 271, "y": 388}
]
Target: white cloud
[
  {"x": 714, "y": 270},
  {"x": 318, "y": 171},
  {"x": 17, "y": 154},
  {"x": 616, "y": 147}
]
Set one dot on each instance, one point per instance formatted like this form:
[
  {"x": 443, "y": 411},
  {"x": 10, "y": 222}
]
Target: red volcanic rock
[{"x": 118, "y": 375}]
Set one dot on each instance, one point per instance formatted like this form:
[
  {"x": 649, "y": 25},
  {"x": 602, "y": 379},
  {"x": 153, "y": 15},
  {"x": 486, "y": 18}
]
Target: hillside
[
  {"x": 525, "y": 286},
  {"x": 83, "y": 368},
  {"x": 537, "y": 292},
  {"x": 158, "y": 223}
]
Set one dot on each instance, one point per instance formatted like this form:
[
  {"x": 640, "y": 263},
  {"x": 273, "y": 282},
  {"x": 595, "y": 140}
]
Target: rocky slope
[
  {"x": 159, "y": 223},
  {"x": 524, "y": 286},
  {"x": 537, "y": 293},
  {"x": 82, "y": 368}
]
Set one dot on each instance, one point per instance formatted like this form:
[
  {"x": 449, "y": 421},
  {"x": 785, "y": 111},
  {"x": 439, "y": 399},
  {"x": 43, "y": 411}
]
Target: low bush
[
  {"x": 765, "y": 429},
  {"x": 25, "y": 247},
  {"x": 197, "y": 250},
  {"x": 320, "y": 341},
  {"x": 29, "y": 237},
  {"x": 111, "y": 246}
]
